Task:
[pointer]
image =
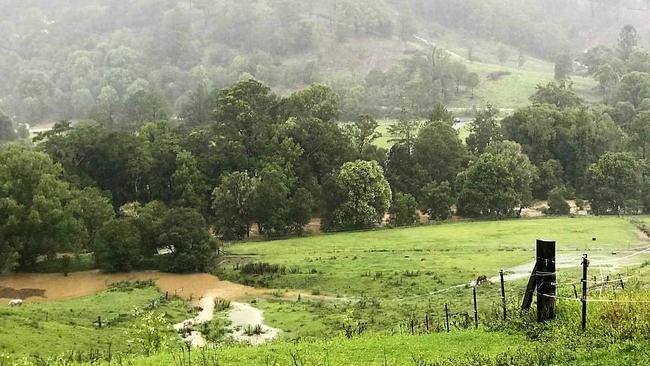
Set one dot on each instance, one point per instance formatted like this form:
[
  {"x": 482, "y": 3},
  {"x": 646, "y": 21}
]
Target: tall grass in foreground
[{"x": 617, "y": 334}]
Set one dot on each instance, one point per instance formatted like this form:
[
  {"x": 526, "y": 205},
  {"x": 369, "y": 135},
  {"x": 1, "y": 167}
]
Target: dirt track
[{"x": 38, "y": 287}]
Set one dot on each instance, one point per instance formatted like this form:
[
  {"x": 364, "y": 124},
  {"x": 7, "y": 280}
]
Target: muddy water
[
  {"x": 202, "y": 289},
  {"x": 37, "y": 287}
]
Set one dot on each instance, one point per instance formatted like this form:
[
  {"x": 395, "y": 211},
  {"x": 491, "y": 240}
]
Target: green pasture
[
  {"x": 394, "y": 263},
  {"x": 57, "y": 327}
]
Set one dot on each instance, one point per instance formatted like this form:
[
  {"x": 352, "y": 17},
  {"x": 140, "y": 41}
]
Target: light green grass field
[
  {"x": 367, "y": 350},
  {"x": 442, "y": 255},
  {"x": 58, "y": 327},
  {"x": 397, "y": 274}
]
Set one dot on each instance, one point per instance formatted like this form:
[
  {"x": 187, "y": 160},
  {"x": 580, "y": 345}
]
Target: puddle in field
[{"x": 242, "y": 316}]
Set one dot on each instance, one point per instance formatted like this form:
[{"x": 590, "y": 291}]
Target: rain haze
[{"x": 324, "y": 182}]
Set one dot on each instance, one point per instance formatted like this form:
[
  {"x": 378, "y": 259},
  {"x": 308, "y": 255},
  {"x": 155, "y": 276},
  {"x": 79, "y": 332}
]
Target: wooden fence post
[
  {"x": 546, "y": 277},
  {"x": 447, "y": 317},
  {"x": 426, "y": 322},
  {"x": 503, "y": 295},
  {"x": 585, "y": 265},
  {"x": 475, "y": 310}
]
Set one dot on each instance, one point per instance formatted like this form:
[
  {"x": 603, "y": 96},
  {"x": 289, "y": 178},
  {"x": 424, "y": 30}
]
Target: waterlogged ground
[
  {"x": 34, "y": 287},
  {"x": 378, "y": 278}
]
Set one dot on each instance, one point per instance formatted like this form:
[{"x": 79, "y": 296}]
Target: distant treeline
[
  {"x": 98, "y": 59},
  {"x": 243, "y": 156}
]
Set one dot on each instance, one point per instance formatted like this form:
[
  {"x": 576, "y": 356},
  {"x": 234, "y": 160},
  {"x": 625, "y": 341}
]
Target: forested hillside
[{"x": 104, "y": 59}]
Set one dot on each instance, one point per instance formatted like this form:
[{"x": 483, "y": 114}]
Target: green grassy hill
[{"x": 377, "y": 282}]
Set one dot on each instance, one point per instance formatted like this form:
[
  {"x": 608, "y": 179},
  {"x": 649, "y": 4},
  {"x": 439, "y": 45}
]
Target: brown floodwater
[{"x": 39, "y": 287}]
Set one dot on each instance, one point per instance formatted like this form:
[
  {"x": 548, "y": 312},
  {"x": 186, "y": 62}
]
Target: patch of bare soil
[{"x": 23, "y": 293}]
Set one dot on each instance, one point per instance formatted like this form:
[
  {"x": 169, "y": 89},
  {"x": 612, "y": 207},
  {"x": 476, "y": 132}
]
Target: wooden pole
[
  {"x": 546, "y": 277},
  {"x": 622, "y": 283},
  {"x": 575, "y": 291},
  {"x": 585, "y": 265},
  {"x": 426, "y": 322},
  {"x": 530, "y": 290},
  {"x": 447, "y": 317},
  {"x": 475, "y": 310},
  {"x": 503, "y": 295}
]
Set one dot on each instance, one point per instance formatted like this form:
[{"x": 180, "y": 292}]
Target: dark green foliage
[
  {"x": 402, "y": 171},
  {"x": 261, "y": 268},
  {"x": 360, "y": 197},
  {"x": 616, "y": 183},
  {"x": 36, "y": 213},
  {"x": 403, "y": 211},
  {"x": 441, "y": 113},
  {"x": 634, "y": 88},
  {"x": 557, "y": 204},
  {"x": 148, "y": 219},
  {"x": 484, "y": 130},
  {"x": 498, "y": 184},
  {"x": 118, "y": 247},
  {"x": 300, "y": 210},
  {"x": 559, "y": 94},
  {"x": 270, "y": 201},
  {"x": 316, "y": 101},
  {"x": 362, "y": 132},
  {"x": 550, "y": 175},
  {"x": 436, "y": 199},
  {"x": 325, "y": 148},
  {"x": 232, "y": 204},
  {"x": 574, "y": 137},
  {"x": 194, "y": 248},
  {"x": 439, "y": 151},
  {"x": 92, "y": 208}
]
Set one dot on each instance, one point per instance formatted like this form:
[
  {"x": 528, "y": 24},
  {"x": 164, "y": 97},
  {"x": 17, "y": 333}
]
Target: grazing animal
[
  {"x": 481, "y": 280},
  {"x": 16, "y": 302}
]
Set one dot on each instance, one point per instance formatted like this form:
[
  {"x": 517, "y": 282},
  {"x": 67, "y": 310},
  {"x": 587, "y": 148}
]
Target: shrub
[
  {"x": 262, "y": 268},
  {"x": 437, "y": 200},
  {"x": 403, "y": 212},
  {"x": 557, "y": 205}
]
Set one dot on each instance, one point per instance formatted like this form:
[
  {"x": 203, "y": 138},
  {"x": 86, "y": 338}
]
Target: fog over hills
[{"x": 61, "y": 60}]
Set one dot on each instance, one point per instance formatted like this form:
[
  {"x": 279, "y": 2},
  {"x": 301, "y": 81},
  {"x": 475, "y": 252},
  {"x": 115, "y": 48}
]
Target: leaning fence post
[
  {"x": 475, "y": 310},
  {"x": 503, "y": 295},
  {"x": 585, "y": 265},
  {"x": 622, "y": 283},
  {"x": 575, "y": 291},
  {"x": 447, "y": 317}
]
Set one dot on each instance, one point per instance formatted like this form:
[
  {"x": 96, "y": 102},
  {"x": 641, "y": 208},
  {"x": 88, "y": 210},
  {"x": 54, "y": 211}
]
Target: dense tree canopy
[
  {"x": 36, "y": 209},
  {"x": 361, "y": 198},
  {"x": 616, "y": 183}
]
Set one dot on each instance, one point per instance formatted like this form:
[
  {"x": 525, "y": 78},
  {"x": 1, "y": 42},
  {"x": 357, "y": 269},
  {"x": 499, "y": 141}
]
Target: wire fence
[{"x": 594, "y": 293}]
